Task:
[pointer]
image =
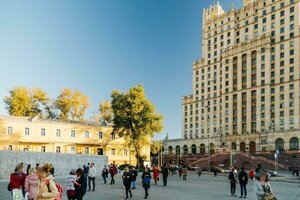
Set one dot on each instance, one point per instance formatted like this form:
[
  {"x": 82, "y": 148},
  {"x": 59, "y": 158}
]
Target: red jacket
[
  {"x": 155, "y": 173},
  {"x": 251, "y": 174},
  {"x": 17, "y": 180}
]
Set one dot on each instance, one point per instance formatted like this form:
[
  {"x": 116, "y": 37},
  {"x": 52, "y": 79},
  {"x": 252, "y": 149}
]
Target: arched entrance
[
  {"x": 252, "y": 147},
  {"x": 294, "y": 143},
  {"x": 202, "y": 148},
  {"x": 233, "y": 146},
  {"x": 279, "y": 144},
  {"x": 170, "y": 150},
  {"x": 194, "y": 149},
  {"x": 212, "y": 148},
  {"x": 243, "y": 147},
  {"x": 177, "y": 150},
  {"x": 185, "y": 150}
]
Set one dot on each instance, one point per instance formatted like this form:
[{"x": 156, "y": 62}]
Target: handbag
[
  {"x": 269, "y": 196},
  {"x": 9, "y": 187},
  {"x": 17, "y": 194}
]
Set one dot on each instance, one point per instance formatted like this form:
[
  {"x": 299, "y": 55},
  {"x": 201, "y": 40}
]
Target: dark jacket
[
  {"x": 165, "y": 172},
  {"x": 82, "y": 185},
  {"x": 231, "y": 177},
  {"x": 243, "y": 177},
  {"x": 133, "y": 175},
  {"x": 127, "y": 178},
  {"x": 86, "y": 170}
]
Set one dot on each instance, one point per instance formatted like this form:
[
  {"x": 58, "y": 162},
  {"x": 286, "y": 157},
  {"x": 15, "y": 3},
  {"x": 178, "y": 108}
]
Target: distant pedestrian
[
  {"x": 31, "y": 184},
  {"x": 251, "y": 174},
  {"x": 17, "y": 182},
  {"x": 70, "y": 185},
  {"x": 127, "y": 182},
  {"x": 199, "y": 172},
  {"x": 155, "y": 174},
  {"x": 232, "y": 180},
  {"x": 184, "y": 172},
  {"x": 104, "y": 174},
  {"x": 180, "y": 170},
  {"x": 86, "y": 169},
  {"x": 146, "y": 180},
  {"x": 113, "y": 172},
  {"x": 243, "y": 180},
  {"x": 165, "y": 173},
  {"x": 92, "y": 176},
  {"x": 80, "y": 184},
  {"x": 134, "y": 175},
  {"x": 215, "y": 172}
]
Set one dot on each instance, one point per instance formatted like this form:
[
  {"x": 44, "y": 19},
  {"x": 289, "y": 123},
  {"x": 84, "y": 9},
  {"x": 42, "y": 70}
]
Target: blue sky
[{"x": 97, "y": 46}]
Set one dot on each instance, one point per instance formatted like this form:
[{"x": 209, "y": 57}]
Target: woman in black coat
[
  {"x": 127, "y": 181},
  {"x": 146, "y": 177},
  {"x": 80, "y": 184}
]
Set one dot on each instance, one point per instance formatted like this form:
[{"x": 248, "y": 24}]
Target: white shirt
[{"x": 92, "y": 172}]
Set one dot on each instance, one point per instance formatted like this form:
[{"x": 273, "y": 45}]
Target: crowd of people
[{"x": 38, "y": 183}]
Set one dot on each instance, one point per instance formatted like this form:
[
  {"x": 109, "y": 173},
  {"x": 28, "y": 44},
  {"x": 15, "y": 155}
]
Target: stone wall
[{"x": 63, "y": 163}]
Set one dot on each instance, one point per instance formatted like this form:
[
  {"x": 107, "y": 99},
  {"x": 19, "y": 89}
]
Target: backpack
[{"x": 59, "y": 189}]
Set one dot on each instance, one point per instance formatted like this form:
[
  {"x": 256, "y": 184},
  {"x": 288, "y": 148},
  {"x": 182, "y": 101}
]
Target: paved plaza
[{"x": 206, "y": 187}]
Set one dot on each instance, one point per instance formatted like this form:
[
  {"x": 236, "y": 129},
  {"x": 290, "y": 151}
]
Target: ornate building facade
[
  {"x": 45, "y": 135},
  {"x": 246, "y": 87}
]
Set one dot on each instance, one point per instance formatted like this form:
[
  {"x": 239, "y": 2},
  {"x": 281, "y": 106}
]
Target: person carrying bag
[{"x": 263, "y": 190}]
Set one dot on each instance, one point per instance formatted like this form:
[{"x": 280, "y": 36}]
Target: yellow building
[{"x": 45, "y": 135}]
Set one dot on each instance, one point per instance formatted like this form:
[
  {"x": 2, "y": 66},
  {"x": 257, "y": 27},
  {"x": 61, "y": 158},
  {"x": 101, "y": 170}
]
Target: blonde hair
[
  {"x": 32, "y": 171},
  {"x": 45, "y": 168}
]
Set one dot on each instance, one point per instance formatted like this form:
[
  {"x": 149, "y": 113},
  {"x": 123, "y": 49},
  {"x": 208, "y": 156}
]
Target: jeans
[
  {"x": 165, "y": 180},
  {"x": 133, "y": 184},
  {"x": 232, "y": 187},
  {"x": 243, "y": 189},
  {"x": 127, "y": 188},
  {"x": 112, "y": 179},
  {"x": 93, "y": 180},
  {"x": 184, "y": 177},
  {"x": 104, "y": 178}
]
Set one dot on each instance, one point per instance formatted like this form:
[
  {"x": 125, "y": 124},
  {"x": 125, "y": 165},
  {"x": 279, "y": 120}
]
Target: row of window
[
  {"x": 264, "y": 12},
  {"x": 58, "y": 133}
]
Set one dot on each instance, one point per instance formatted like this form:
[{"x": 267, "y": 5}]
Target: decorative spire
[{"x": 232, "y": 6}]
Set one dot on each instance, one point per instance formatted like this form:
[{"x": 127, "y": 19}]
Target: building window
[
  {"x": 125, "y": 152},
  {"x": 27, "y": 132},
  {"x": 294, "y": 143},
  {"x": 113, "y": 136},
  {"x": 9, "y": 130},
  {"x": 57, "y": 149},
  {"x": 57, "y": 132},
  {"x": 87, "y": 134},
  {"x": 10, "y": 147},
  {"x": 100, "y": 135},
  {"x": 73, "y": 150},
  {"x": 43, "y": 132},
  {"x": 43, "y": 148},
  {"x": 73, "y": 134},
  {"x": 87, "y": 151},
  {"x": 113, "y": 152}
]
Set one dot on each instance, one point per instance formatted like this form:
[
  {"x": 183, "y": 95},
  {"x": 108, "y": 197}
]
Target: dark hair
[{"x": 80, "y": 172}]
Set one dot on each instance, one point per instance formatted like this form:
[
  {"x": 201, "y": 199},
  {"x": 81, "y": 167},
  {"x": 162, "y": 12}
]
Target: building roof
[{"x": 37, "y": 118}]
